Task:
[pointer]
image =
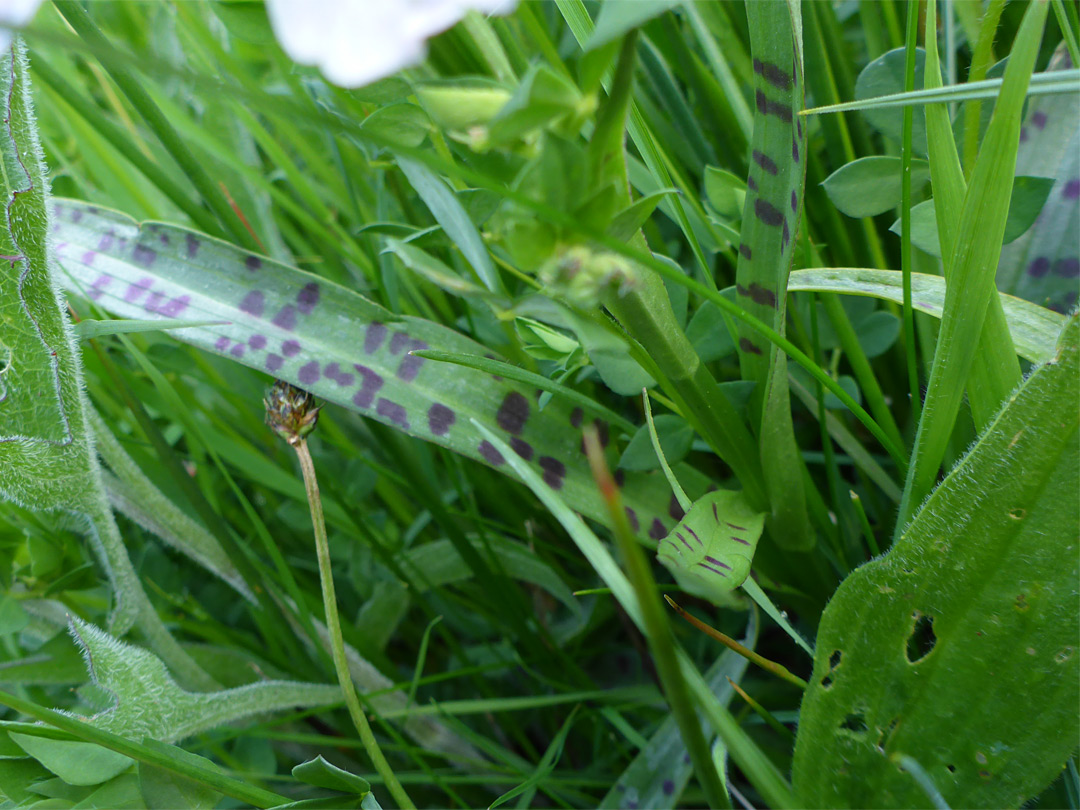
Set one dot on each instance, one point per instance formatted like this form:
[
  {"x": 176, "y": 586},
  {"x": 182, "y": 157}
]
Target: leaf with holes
[
  {"x": 958, "y": 647},
  {"x": 710, "y": 552},
  {"x": 336, "y": 344}
]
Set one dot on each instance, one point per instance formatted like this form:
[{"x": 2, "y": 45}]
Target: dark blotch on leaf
[
  {"x": 440, "y": 418},
  {"x": 513, "y": 412},
  {"x": 490, "y": 454}
]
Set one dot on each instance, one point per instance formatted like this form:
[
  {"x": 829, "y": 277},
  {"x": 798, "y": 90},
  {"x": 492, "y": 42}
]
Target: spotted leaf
[{"x": 712, "y": 548}]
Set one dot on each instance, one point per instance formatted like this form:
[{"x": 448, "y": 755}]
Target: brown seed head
[{"x": 290, "y": 411}]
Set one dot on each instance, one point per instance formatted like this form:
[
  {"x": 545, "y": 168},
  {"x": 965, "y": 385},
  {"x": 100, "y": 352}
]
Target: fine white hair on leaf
[{"x": 357, "y": 43}]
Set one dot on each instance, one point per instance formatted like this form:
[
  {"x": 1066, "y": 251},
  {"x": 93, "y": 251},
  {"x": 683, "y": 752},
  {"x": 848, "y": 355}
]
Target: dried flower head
[{"x": 290, "y": 411}]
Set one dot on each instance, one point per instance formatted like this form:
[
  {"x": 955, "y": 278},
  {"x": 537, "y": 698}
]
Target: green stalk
[
  {"x": 982, "y": 58},
  {"x": 860, "y": 365},
  {"x": 129, "y": 84},
  {"x": 333, "y": 626},
  {"x": 905, "y": 212},
  {"x": 657, "y": 630}
]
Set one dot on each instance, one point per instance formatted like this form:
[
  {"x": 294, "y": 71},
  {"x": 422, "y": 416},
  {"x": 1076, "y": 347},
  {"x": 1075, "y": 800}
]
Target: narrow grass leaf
[{"x": 1034, "y": 329}]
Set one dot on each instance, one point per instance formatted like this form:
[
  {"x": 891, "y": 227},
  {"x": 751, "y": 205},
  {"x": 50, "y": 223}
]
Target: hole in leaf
[
  {"x": 826, "y": 682},
  {"x": 1017, "y": 513},
  {"x": 834, "y": 659},
  {"x": 855, "y": 722},
  {"x": 886, "y": 734},
  {"x": 922, "y": 639},
  {"x": 951, "y": 768}
]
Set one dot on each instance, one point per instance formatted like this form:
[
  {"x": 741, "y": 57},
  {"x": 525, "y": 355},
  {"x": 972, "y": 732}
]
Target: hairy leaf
[
  {"x": 958, "y": 648},
  {"x": 148, "y": 702}
]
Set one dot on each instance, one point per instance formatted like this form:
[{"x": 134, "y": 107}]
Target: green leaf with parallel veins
[
  {"x": 334, "y": 343},
  {"x": 958, "y": 647},
  {"x": 711, "y": 550}
]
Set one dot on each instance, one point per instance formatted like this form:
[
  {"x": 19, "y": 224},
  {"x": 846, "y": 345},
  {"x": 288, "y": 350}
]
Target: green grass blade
[
  {"x": 1033, "y": 329},
  {"x": 974, "y": 263}
]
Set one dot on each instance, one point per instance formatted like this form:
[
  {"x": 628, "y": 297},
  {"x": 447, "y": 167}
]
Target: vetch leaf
[
  {"x": 615, "y": 19},
  {"x": 1028, "y": 196},
  {"x": 320, "y": 773},
  {"x": 334, "y": 343},
  {"x": 871, "y": 185},
  {"x": 974, "y": 605},
  {"x": 885, "y": 76},
  {"x": 77, "y": 763},
  {"x": 710, "y": 552},
  {"x": 725, "y": 192},
  {"x": 675, "y": 436}
]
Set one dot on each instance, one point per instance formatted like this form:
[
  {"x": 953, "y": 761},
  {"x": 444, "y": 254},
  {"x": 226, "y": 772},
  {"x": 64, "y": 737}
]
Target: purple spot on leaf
[
  {"x": 1071, "y": 190},
  {"x": 309, "y": 373},
  {"x": 513, "y": 412},
  {"x": 668, "y": 787},
  {"x": 1067, "y": 268},
  {"x": 440, "y": 418},
  {"x": 392, "y": 411},
  {"x": 554, "y": 471},
  {"x": 374, "y": 337},
  {"x": 192, "y": 245},
  {"x": 674, "y": 509},
  {"x": 631, "y": 515},
  {"x": 135, "y": 291},
  {"x": 253, "y": 303},
  {"x": 286, "y": 318},
  {"x": 273, "y": 362},
  {"x": 370, "y": 383},
  {"x": 221, "y": 343},
  {"x": 88, "y": 257},
  {"x": 656, "y": 530},
  {"x": 252, "y": 263},
  {"x": 521, "y": 447},
  {"x": 307, "y": 298},
  {"x": 1039, "y": 267},
  {"x": 237, "y": 350},
  {"x": 290, "y": 348},
  {"x": 490, "y": 454},
  {"x": 175, "y": 306},
  {"x": 257, "y": 342},
  {"x": 154, "y": 301},
  {"x": 794, "y": 202},
  {"x": 576, "y": 416},
  {"x": 398, "y": 342},
  {"x": 1038, "y": 118},
  {"x": 143, "y": 255}
]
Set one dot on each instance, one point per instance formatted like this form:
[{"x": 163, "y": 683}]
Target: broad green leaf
[
  {"x": 163, "y": 789},
  {"x": 629, "y": 221},
  {"x": 1043, "y": 265},
  {"x": 45, "y": 448},
  {"x": 871, "y": 185},
  {"x": 883, "y": 77},
  {"x": 332, "y": 342},
  {"x": 404, "y": 124},
  {"x": 711, "y": 550},
  {"x": 320, "y": 773},
  {"x": 77, "y": 763},
  {"x": 725, "y": 192},
  {"x": 435, "y": 271},
  {"x": 708, "y": 333},
  {"x": 148, "y": 702},
  {"x": 1033, "y": 328},
  {"x": 1028, "y": 196},
  {"x": 958, "y": 647},
  {"x": 13, "y": 616},
  {"x": 675, "y": 439},
  {"x": 770, "y": 219}
]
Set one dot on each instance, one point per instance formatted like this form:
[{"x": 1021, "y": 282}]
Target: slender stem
[
  {"x": 905, "y": 214},
  {"x": 771, "y": 666},
  {"x": 871, "y": 541},
  {"x": 333, "y": 626},
  {"x": 762, "y": 712},
  {"x": 657, "y": 631},
  {"x": 680, "y": 494}
]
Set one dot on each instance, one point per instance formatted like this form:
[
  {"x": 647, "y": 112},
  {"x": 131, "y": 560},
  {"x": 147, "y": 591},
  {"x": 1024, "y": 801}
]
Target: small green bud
[
  {"x": 583, "y": 276},
  {"x": 461, "y": 108},
  {"x": 290, "y": 411}
]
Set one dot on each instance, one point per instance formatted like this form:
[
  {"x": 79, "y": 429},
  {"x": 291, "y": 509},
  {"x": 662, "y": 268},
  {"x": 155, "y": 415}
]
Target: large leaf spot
[{"x": 922, "y": 639}]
